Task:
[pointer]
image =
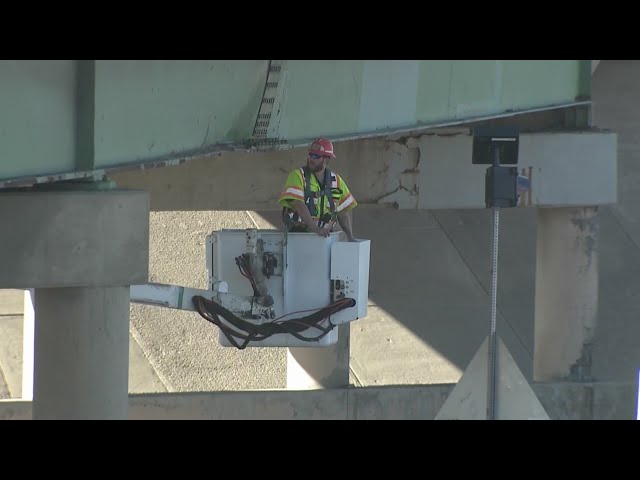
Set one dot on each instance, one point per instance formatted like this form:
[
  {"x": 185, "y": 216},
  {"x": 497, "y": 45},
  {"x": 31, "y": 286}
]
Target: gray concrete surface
[
  {"x": 11, "y": 356},
  {"x": 74, "y": 239},
  {"x": 429, "y": 287},
  {"x": 562, "y": 401},
  {"x": 81, "y": 366},
  {"x": 566, "y": 307},
  {"x": 616, "y": 350},
  {"x": 142, "y": 377},
  {"x": 430, "y": 283},
  {"x": 11, "y": 308},
  {"x": 11, "y": 302}
]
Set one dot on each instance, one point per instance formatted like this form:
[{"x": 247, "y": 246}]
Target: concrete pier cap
[{"x": 74, "y": 238}]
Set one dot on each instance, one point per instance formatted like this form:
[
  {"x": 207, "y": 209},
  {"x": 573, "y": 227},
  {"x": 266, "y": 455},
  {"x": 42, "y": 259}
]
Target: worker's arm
[
  {"x": 344, "y": 219},
  {"x": 345, "y": 202},
  {"x": 305, "y": 216}
]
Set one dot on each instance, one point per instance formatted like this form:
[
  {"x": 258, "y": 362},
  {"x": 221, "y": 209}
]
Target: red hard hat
[{"x": 322, "y": 146}]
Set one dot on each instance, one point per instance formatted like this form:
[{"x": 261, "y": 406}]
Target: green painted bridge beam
[
  {"x": 85, "y": 152},
  {"x": 61, "y": 118}
]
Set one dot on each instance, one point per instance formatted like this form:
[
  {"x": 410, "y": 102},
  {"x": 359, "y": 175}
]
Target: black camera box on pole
[{"x": 500, "y": 186}]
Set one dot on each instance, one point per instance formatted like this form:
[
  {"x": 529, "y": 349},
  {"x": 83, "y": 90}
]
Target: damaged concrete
[
  {"x": 430, "y": 171},
  {"x": 566, "y": 305},
  {"x": 405, "y": 168}
]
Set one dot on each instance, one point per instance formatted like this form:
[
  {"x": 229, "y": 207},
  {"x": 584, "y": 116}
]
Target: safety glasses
[{"x": 315, "y": 156}]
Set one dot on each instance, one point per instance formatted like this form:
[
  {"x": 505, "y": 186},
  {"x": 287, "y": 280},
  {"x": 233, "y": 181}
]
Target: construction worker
[{"x": 314, "y": 197}]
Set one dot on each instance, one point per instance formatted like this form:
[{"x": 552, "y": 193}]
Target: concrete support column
[
  {"x": 79, "y": 251},
  {"x": 566, "y": 297},
  {"x": 316, "y": 368},
  {"x": 81, "y": 353}
]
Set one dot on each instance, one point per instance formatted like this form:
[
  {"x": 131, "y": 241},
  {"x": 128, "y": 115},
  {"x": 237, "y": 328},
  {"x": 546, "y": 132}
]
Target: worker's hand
[{"x": 323, "y": 232}]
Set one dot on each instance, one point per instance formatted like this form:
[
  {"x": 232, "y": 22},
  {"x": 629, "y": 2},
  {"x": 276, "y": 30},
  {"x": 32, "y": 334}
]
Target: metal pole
[
  {"x": 491, "y": 386},
  {"x": 491, "y": 390}
]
